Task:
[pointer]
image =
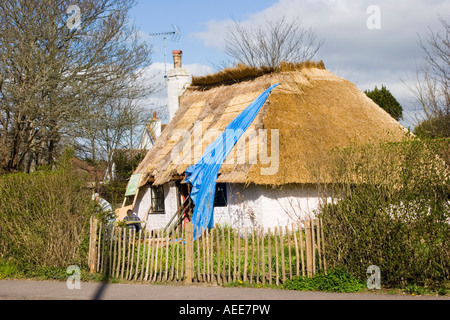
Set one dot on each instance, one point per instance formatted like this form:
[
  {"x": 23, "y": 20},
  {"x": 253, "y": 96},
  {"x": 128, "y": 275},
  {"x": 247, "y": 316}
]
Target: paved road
[{"x": 50, "y": 290}]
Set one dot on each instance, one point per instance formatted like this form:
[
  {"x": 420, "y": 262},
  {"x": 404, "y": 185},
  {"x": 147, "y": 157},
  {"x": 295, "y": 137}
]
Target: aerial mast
[{"x": 175, "y": 37}]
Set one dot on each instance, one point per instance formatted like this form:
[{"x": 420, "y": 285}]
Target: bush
[
  {"x": 392, "y": 210},
  {"x": 44, "y": 220},
  {"x": 435, "y": 127},
  {"x": 336, "y": 280}
]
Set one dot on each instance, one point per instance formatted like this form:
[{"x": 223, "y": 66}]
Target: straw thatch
[{"x": 313, "y": 109}]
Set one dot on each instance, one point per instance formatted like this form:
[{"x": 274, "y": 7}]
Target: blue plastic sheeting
[{"x": 203, "y": 175}]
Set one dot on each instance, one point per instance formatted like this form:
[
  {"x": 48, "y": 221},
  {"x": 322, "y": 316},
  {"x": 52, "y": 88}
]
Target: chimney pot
[
  {"x": 177, "y": 54},
  {"x": 155, "y": 117}
]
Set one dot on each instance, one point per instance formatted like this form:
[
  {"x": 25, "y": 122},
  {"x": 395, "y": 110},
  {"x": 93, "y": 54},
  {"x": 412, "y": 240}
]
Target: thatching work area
[
  {"x": 270, "y": 177},
  {"x": 312, "y": 112}
]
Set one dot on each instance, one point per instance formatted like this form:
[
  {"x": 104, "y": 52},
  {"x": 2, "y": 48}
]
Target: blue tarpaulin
[{"x": 203, "y": 175}]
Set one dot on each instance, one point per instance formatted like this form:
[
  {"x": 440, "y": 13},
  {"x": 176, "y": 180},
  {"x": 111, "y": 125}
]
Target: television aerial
[{"x": 175, "y": 37}]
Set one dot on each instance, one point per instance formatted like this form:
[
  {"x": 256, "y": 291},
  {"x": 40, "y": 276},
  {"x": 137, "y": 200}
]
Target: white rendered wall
[
  {"x": 243, "y": 207},
  {"x": 287, "y": 204},
  {"x": 253, "y": 206},
  {"x": 259, "y": 206},
  {"x": 143, "y": 202}
]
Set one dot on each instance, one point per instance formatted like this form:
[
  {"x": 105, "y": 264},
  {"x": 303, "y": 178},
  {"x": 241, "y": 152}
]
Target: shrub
[
  {"x": 44, "y": 219},
  {"x": 392, "y": 210},
  {"x": 336, "y": 280}
]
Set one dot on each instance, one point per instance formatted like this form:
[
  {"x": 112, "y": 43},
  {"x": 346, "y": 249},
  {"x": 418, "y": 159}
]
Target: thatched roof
[{"x": 313, "y": 109}]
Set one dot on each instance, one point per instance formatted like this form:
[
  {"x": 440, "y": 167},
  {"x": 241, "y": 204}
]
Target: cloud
[
  {"x": 367, "y": 57},
  {"x": 213, "y": 37}
]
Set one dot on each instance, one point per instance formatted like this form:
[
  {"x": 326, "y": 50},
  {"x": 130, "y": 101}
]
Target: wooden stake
[
  {"x": 156, "y": 256},
  {"x": 297, "y": 260},
  {"x": 319, "y": 251},
  {"x": 189, "y": 252},
  {"x": 277, "y": 277},
  {"x": 224, "y": 278},
  {"x": 245, "y": 254},
  {"x": 204, "y": 254},
  {"x": 144, "y": 245},
  {"x": 289, "y": 253},
  {"x": 211, "y": 255},
  {"x": 234, "y": 257},
  {"x": 238, "y": 276},
  {"x": 262, "y": 260},
  {"x": 269, "y": 254},
  {"x": 309, "y": 249},
  {"x": 258, "y": 258},
  {"x": 313, "y": 246},
  {"x": 166, "y": 274},
  {"x": 219, "y": 280},
  {"x": 172, "y": 267},
  {"x": 253, "y": 255},
  {"x": 99, "y": 248},
  {"x": 199, "y": 272},
  {"x": 130, "y": 252},
  {"x": 300, "y": 232},
  {"x": 323, "y": 247},
  {"x": 283, "y": 266},
  {"x": 229, "y": 255}
]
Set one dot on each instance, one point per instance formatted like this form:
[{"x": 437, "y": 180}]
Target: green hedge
[
  {"x": 44, "y": 220},
  {"x": 392, "y": 210}
]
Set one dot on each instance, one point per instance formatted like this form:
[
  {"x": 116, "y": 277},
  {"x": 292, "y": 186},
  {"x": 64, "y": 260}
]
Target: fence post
[
  {"x": 93, "y": 245},
  {"x": 309, "y": 249},
  {"x": 189, "y": 256},
  {"x": 323, "y": 246}
]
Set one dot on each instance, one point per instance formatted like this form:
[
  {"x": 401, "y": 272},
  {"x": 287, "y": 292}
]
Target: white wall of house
[
  {"x": 156, "y": 220},
  {"x": 260, "y": 206},
  {"x": 252, "y": 206}
]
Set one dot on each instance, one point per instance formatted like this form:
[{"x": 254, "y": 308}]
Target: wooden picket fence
[{"x": 219, "y": 256}]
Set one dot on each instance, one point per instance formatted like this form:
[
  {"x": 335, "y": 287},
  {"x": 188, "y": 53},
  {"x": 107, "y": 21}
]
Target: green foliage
[
  {"x": 126, "y": 162},
  {"x": 386, "y": 100},
  {"x": 336, "y": 280},
  {"x": 113, "y": 192},
  {"x": 44, "y": 220},
  {"x": 391, "y": 210},
  {"x": 436, "y": 127}
]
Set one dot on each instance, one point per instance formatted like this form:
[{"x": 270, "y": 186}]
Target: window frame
[
  {"x": 221, "y": 196},
  {"x": 157, "y": 194}
]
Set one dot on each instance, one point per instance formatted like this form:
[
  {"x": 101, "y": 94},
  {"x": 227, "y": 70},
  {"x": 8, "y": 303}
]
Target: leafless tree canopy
[
  {"x": 431, "y": 86},
  {"x": 269, "y": 44},
  {"x": 54, "y": 78},
  {"x": 436, "y": 47}
]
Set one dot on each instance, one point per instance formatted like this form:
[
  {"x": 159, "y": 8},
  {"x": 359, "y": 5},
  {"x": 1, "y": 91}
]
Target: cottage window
[
  {"x": 158, "y": 199},
  {"x": 220, "y": 199}
]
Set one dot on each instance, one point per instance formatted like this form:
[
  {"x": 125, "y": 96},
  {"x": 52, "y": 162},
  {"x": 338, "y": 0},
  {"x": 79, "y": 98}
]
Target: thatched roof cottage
[{"x": 270, "y": 176}]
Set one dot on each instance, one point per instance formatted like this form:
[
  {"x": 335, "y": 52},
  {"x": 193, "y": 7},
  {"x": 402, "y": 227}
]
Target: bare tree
[
  {"x": 437, "y": 55},
  {"x": 431, "y": 86},
  {"x": 276, "y": 41},
  {"x": 52, "y": 74}
]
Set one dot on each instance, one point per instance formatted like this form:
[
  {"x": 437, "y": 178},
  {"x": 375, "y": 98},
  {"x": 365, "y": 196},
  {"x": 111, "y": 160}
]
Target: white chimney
[{"x": 177, "y": 81}]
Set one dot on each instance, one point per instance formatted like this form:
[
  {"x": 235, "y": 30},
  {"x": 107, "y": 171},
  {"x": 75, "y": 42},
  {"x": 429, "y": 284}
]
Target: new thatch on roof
[{"x": 313, "y": 110}]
